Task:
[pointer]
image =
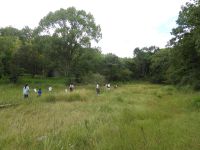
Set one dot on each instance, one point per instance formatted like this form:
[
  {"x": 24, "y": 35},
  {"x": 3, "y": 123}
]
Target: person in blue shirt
[{"x": 39, "y": 92}]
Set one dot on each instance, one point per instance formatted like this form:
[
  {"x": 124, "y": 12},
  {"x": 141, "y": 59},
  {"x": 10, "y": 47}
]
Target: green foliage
[
  {"x": 185, "y": 58},
  {"x": 114, "y": 69},
  {"x": 9, "y": 45},
  {"x": 159, "y": 66},
  {"x": 61, "y": 46},
  {"x": 9, "y": 31},
  {"x": 30, "y": 60},
  {"x": 196, "y": 103},
  {"x": 142, "y": 61},
  {"x": 92, "y": 78},
  {"x": 72, "y": 29},
  {"x": 89, "y": 61},
  {"x": 36, "y": 52}
]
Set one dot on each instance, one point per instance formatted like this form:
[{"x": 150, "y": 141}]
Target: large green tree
[
  {"x": 111, "y": 67},
  {"x": 185, "y": 56},
  {"x": 142, "y": 61},
  {"x": 159, "y": 66},
  {"x": 89, "y": 62},
  {"x": 9, "y": 45},
  {"x": 71, "y": 30}
]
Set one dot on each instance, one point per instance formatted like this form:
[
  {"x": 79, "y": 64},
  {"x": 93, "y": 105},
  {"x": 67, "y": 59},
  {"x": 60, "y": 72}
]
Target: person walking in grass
[
  {"x": 26, "y": 91},
  {"x": 39, "y": 92},
  {"x": 50, "y": 89},
  {"x": 98, "y": 89},
  {"x": 108, "y": 86},
  {"x": 71, "y": 87}
]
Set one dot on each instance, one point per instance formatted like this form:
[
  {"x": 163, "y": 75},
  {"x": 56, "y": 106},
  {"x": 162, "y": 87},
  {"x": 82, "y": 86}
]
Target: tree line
[{"x": 61, "y": 46}]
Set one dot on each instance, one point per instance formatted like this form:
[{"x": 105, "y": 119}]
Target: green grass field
[{"x": 137, "y": 116}]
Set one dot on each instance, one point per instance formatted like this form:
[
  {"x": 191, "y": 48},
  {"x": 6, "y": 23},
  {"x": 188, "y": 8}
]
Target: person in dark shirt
[{"x": 39, "y": 92}]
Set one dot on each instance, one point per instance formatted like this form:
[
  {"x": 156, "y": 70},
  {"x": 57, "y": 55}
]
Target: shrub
[
  {"x": 196, "y": 103},
  {"x": 196, "y": 85},
  {"x": 93, "y": 78}
]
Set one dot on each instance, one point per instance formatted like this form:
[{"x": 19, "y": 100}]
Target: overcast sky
[{"x": 125, "y": 24}]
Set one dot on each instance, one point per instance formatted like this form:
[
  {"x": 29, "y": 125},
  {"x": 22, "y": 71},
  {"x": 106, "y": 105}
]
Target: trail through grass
[{"x": 137, "y": 116}]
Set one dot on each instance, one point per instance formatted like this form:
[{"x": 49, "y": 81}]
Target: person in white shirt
[
  {"x": 26, "y": 91},
  {"x": 98, "y": 89},
  {"x": 109, "y": 86},
  {"x": 50, "y": 89},
  {"x": 71, "y": 87}
]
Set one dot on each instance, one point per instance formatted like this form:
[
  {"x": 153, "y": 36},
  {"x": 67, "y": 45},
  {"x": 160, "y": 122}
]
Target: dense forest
[{"x": 61, "y": 46}]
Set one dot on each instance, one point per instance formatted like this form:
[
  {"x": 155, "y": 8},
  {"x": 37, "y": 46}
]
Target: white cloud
[{"x": 125, "y": 24}]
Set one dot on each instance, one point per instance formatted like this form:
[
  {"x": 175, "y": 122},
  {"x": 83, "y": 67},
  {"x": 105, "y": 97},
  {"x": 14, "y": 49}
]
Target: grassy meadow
[{"x": 136, "y": 116}]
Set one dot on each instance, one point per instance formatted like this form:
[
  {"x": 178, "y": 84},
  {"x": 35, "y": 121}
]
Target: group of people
[
  {"x": 107, "y": 86},
  {"x": 26, "y": 89}
]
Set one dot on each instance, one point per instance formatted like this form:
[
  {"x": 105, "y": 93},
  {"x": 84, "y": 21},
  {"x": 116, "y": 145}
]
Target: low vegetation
[{"x": 133, "y": 116}]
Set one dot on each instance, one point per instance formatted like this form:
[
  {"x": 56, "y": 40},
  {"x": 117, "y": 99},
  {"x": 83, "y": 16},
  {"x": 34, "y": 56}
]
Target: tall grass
[{"x": 133, "y": 116}]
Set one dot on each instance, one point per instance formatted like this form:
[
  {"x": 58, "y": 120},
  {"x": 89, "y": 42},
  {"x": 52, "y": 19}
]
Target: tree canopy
[
  {"x": 61, "y": 45},
  {"x": 71, "y": 29}
]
